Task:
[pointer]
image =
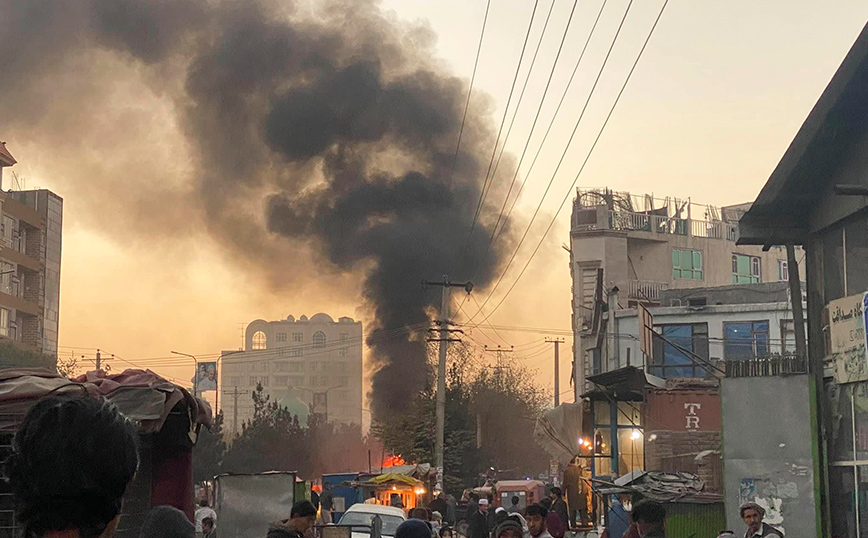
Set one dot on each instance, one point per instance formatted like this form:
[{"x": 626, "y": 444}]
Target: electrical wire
[
  {"x": 584, "y": 163},
  {"x": 483, "y": 193},
  {"x": 560, "y": 161},
  {"x": 469, "y": 92},
  {"x": 533, "y": 128}
]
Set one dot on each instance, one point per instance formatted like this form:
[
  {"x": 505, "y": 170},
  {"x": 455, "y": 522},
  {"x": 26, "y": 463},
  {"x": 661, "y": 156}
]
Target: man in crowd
[
  {"x": 559, "y": 505},
  {"x": 208, "y": 530},
  {"x": 201, "y": 513},
  {"x": 536, "y": 521},
  {"x": 477, "y": 525},
  {"x": 650, "y": 518},
  {"x": 301, "y": 519},
  {"x": 752, "y": 514},
  {"x": 326, "y": 502},
  {"x": 513, "y": 506},
  {"x": 509, "y": 529}
]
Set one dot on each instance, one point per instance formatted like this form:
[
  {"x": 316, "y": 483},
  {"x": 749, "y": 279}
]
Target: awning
[{"x": 390, "y": 478}]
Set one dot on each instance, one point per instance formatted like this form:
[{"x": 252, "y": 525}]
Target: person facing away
[
  {"x": 201, "y": 513},
  {"x": 301, "y": 519},
  {"x": 513, "y": 505},
  {"x": 326, "y": 503},
  {"x": 559, "y": 505},
  {"x": 167, "y": 522},
  {"x": 509, "y": 529},
  {"x": 208, "y": 530},
  {"x": 72, "y": 461},
  {"x": 650, "y": 519},
  {"x": 439, "y": 504},
  {"x": 536, "y": 521},
  {"x": 752, "y": 514},
  {"x": 554, "y": 524}
]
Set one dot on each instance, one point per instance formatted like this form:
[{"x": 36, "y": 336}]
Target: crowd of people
[{"x": 73, "y": 460}]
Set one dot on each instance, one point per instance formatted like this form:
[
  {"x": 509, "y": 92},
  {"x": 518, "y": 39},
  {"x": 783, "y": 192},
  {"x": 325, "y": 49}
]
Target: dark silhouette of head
[{"x": 72, "y": 461}]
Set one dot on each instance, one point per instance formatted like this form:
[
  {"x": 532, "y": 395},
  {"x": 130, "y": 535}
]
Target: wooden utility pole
[{"x": 557, "y": 343}]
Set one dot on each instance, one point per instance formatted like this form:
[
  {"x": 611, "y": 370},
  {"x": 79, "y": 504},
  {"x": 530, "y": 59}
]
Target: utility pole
[
  {"x": 498, "y": 351},
  {"x": 557, "y": 343},
  {"x": 98, "y": 363},
  {"x": 444, "y": 340},
  {"x": 235, "y": 394}
]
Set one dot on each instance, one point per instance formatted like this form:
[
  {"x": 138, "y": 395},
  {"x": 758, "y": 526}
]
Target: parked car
[{"x": 363, "y": 514}]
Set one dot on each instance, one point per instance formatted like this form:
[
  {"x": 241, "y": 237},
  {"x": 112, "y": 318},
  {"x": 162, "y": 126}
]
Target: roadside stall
[
  {"x": 168, "y": 419},
  {"x": 409, "y": 489}
]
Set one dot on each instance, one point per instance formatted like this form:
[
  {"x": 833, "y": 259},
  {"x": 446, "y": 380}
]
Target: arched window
[
  {"x": 319, "y": 339},
  {"x": 259, "y": 340}
]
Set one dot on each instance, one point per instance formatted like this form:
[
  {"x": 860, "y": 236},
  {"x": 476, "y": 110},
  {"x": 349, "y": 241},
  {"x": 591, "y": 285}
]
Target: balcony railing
[
  {"x": 770, "y": 365},
  {"x": 645, "y": 290},
  {"x": 651, "y": 223}
]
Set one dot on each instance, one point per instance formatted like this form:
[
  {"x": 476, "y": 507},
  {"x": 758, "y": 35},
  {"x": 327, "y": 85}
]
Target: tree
[
  {"x": 67, "y": 367},
  {"x": 272, "y": 440},
  {"x": 209, "y": 451}
]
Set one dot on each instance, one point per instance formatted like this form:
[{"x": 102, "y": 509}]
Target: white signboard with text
[{"x": 847, "y": 338}]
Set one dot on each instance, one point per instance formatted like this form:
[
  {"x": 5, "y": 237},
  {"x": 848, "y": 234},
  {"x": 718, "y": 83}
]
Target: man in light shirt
[{"x": 201, "y": 513}]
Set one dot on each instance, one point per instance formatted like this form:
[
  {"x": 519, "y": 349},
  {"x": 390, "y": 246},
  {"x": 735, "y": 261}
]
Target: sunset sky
[{"x": 717, "y": 96}]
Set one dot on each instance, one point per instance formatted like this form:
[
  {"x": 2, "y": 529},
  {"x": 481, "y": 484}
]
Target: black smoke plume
[{"x": 326, "y": 126}]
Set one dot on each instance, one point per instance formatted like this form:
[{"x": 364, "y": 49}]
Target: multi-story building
[
  {"x": 316, "y": 361},
  {"x": 31, "y": 224},
  {"x": 638, "y": 246}
]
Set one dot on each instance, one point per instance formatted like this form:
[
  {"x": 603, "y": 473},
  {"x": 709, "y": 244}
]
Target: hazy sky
[{"x": 716, "y": 99}]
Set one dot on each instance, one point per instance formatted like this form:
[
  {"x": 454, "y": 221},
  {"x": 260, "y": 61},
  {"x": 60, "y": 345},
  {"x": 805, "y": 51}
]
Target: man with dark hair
[
  {"x": 72, "y": 461},
  {"x": 301, "y": 519},
  {"x": 509, "y": 529},
  {"x": 201, "y": 513},
  {"x": 513, "y": 507},
  {"x": 326, "y": 503},
  {"x": 208, "y": 530},
  {"x": 559, "y": 506},
  {"x": 752, "y": 514},
  {"x": 536, "y": 521},
  {"x": 650, "y": 518},
  {"x": 477, "y": 525}
]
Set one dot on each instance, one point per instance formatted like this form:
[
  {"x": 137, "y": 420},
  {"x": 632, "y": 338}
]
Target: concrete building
[
  {"x": 31, "y": 224},
  {"x": 817, "y": 197},
  {"x": 305, "y": 364},
  {"x": 641, "y": 246}
]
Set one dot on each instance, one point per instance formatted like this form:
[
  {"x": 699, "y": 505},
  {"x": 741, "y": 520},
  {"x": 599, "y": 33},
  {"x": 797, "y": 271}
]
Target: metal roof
[
  {"x": 6, "y": 158},
  {"x": 781, "y": 211}
]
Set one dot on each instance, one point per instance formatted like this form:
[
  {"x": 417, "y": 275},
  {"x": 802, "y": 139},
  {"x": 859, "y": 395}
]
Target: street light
[{"x": 195, "y": 369}]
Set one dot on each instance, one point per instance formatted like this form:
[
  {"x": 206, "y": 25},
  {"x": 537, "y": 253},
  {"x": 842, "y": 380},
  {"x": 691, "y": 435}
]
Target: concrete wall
[{"x": 768, "y": 451}]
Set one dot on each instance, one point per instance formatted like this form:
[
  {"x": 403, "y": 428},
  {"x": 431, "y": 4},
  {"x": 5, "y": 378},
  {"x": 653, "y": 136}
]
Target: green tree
[{"x": 209, "y": 451}]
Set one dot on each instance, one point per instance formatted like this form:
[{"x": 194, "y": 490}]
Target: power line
[
  {"x": 529, "y": 137},
  {"x": 483, "y": 193},
  {"x": 585, "y": 162},
  {"x": 469, "y": 92},
  {"x": 560, "y": 161}
]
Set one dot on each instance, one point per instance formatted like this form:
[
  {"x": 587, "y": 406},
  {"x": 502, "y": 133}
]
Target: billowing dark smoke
[{"x": 334, "y": 116}]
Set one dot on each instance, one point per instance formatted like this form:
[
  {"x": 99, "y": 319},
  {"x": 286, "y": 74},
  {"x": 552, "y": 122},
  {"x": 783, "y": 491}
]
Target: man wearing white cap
[{"x": 752, "y": 514}]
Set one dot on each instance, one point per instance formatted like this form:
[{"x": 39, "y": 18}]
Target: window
[
  {"x": 319, "y": 340},
  {"x": 343, "y": 337},
  {"x": 280, "y": 337},
  {"x": 788, "y": 336},
  {"x": 253, "y": 381},
  {"x": 281, "y": 380},
  {"x": 686, "y": 264},
  {"x": 296, "y": 366},
  {"x": 342, "y": 352},
  {"x": 783, "y": 271},
  {"x": 669, "y": 358},
  {"x": 313, "y": 381},
  {"x": 259, "y": 340},
  {"x": 745, "y": 340},
  {"x": 7, "y": 229},
  {"x": 4, "y": 322},
  {"x": 296, "y": 381},
  {"x": 282, "y": 366},
  {"x": 264, "y": 380},
  {"x": 296, "y": 352},
  {"x": 324, "y": 381},
  {"x": 745, "y": 269},
  {"x": 298, "y": 337}
]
